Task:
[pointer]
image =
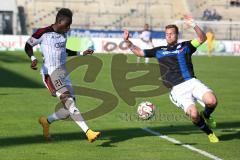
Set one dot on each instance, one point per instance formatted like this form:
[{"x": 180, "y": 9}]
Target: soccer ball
[{"x": 146, "y": 110}]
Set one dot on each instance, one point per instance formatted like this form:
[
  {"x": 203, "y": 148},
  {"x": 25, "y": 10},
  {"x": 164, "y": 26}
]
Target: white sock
[
  {"x": 147, "y": 60},
  {"x": 76, "y": 115},
  {"x": 52, "y": 118},
  {"x": 83, "y": 125},
  {"x": 138, "y": 59},
  {"x": 62, "y": 113}
]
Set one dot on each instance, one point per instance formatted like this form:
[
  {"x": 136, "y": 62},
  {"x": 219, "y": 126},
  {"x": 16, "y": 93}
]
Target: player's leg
[
  {"x": 66, "y": 95},
  {"x": 68, "y": 99},
  {"x": 211, "y": 47},
  {"x": 193, "y": 113},
  {"x": 138, "y": 59},
  {"x": 71, "y": 96},
  {"x": 181, "y": 96},
  {"x": 210, "y": 102},
  {"x": 48, "y": 84},
  {"x": 199, "y": 122},
  {"x": 148, "y": 45},
  {"x": 76, "y": 116},
  {"x": 61, "y": 113},
  {"x": 186, "y": 103},
  {"x": 146, "y": 60},
  {"x": 45, "y": 122},
  {"x": 207, "y": 99},
  {"x": 74, "y": 112},
  {"x": 208, "y": 48}
]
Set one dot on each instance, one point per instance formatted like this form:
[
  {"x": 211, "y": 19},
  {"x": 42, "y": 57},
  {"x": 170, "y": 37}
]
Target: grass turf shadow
[{"x": 112, "y": 137}]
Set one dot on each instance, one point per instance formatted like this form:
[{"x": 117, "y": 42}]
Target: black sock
[
  {"x": 203, "y": 126},
  {"x": 208, "y": 111}
]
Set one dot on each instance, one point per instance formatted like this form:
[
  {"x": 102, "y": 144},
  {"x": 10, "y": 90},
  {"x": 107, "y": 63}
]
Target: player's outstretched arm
[
  {"x": 29, "y": 52},
  {"x": 135, "y": 49},
  {"x": 189, "y": 21},
  {"x": 75, "y": 53}
]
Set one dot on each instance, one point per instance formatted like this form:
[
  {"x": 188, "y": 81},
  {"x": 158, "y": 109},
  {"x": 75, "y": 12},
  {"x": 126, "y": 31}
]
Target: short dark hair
[
  {"x": 172, "y": 26},
  {"x": 63, "y": 13}
]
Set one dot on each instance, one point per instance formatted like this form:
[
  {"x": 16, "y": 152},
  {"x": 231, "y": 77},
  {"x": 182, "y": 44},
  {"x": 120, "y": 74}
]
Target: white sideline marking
[{"x": 206, "y": 154}]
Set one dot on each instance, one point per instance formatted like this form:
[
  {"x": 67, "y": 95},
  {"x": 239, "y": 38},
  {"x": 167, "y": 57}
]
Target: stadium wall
[
  {"x": 12, "y": 18},
  {"x": 115, "y": 45}
]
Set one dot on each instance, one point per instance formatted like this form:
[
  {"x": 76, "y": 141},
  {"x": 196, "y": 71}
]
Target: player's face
[
  {"x": 146, "y": 27},
  {"x": 64, "y": 25},
  {"x": 171, "y": 36}
]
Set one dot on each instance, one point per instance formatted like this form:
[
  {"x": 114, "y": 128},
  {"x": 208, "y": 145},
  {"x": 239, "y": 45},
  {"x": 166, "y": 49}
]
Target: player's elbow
[
  {"x": 25, "y": 48},
  {"x": 203, "y": 38},
  {"x": 28, "y": 48}
]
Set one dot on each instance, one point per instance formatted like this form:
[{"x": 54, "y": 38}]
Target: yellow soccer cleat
[
  {"x": 92, "y": 136},
  {"x": 45, "y": 125},
  {"x": 210, "y": 121},
  {"x": 213, "y": 138}
]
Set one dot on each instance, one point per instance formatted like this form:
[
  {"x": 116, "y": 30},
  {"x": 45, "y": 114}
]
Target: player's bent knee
[
  {"x": 211, "y": 103},
  {"x": 64, "y": 97},
  {"x": 210, "y": 100}
]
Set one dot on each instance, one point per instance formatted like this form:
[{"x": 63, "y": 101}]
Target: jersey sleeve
[
  {"x": 71, "y": 53},
  {"x": 192, "y": 46},
  {"x": 150, "y": 52},
  {"x": 36, "y": 38}
]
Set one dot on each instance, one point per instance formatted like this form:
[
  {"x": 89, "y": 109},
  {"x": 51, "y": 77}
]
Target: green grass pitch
[{"x": 23, "y": 99}]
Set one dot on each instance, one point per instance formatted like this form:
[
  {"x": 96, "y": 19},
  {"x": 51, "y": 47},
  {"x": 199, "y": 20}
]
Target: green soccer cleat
[
  {"x": 210, "y": 121},
  {"x": 92, "y": 136},
  {"x": 45, "y": 125},
  {"x": 213, "y": 138}
]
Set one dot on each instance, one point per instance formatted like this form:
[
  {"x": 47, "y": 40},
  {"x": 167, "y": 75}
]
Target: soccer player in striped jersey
[
  {"x": 52, "y": 40},
  {"x": 177, "y": 73}
]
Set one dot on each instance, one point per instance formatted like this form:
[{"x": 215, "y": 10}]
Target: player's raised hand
[
  {"x": 88, "y": 51},
  {"x": 189, "y": 21},
  {"x": 34, "y": 64},
  {"x": 125, "y": 34}
]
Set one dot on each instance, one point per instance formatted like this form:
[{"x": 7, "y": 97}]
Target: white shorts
[
  {"x": 187, "y": 93},
  {"x": 57, "y": 85}
]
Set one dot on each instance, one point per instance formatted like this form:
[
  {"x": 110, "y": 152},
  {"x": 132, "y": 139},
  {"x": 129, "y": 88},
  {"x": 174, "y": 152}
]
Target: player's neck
[
  {"x": 55, "y": 28},
  {"x": 172, "y": 44}
]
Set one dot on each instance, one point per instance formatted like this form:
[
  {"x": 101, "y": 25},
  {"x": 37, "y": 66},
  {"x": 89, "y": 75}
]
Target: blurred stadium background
[
  {"x": 107, "y": 18},
  {"x": 98, "y": 24}
]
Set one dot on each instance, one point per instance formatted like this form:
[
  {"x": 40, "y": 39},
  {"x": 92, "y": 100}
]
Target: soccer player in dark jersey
[
  {"x": 52, "y": 40},
  {"x": 177, "y": 73}
]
